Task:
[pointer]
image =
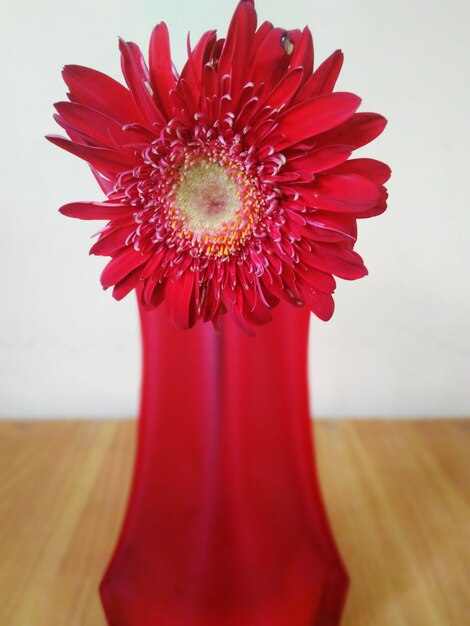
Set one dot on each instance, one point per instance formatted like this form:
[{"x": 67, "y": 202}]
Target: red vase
[{"x": 225, "y": 524}]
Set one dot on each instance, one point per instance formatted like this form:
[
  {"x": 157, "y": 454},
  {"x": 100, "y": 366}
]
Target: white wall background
[{"x": 399, "y": 342}]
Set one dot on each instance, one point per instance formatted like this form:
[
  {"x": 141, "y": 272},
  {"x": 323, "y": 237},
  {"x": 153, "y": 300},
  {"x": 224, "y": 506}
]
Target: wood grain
[{"x": 398, "y": 494}]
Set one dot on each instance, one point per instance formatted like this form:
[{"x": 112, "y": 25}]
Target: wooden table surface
[{"x": 398, "y": 494}]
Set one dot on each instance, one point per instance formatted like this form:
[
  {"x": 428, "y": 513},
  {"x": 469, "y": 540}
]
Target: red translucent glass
[{"x": 225, "y": 524}]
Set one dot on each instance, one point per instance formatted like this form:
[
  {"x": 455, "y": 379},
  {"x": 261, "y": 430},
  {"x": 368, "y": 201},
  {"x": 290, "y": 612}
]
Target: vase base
[{"x": 310, "y": 590}]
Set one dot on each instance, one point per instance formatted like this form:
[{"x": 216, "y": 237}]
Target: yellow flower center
[
  {"x": 214, "y": 206},
  {"x": 207, "y": 198}
]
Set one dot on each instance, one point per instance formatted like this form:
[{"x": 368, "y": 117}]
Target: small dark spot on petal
[{"x": 287, "y": 43}]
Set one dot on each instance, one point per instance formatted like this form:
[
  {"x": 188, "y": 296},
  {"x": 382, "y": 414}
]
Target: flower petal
[
  {"x": 358, "y": 131},
  {"x": 379, "y": 208},
  {"x": 343, "y": 193},
  {"x": 110, "y": 241},
  {"x": 376, "y": 171},
  {"x": 320, "y": 160},
  {"x": 236, "y": 52},
  {"x": 258, "y": 314},
  {"x": 285, "y": 90},
  {"x": 95, "y": 210},
  {"x": 319, "y": 303},
  {"x": 102, "y": 128},
  {"x": 344, "y": 226},
  {"x": 324, "y": 78},
  {"x": 100, "y": 158},
  {"x": 125, "y": 261},
  {"x": 179, "y": 300},
  {"x": 316, "y": 279},
  {"x": 153, "y": 293},
  {"x": 234, "y": 305},
  {"x": 138, "y": 80},
  {"x": 162, "y": 73},
  {"x": 334, "y": 259},
  {"x": 101, "y": 92},
  {"x": 316, "y": 116},
  {"x": 302, "y": 56},
  {"x": 270, "y": 61},
  {"x": 106, "y": 182},
  {"x": 260, "y": 35},
  {"x": 127, "y": 284},
  {"x": 192, "y": 71}
]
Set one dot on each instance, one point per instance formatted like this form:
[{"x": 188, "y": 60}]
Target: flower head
[{"x": 229, "y": 186}]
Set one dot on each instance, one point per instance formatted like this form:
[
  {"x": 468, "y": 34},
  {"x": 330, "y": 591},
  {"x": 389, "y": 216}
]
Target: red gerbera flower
[{"x": 228, "y": 186}]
